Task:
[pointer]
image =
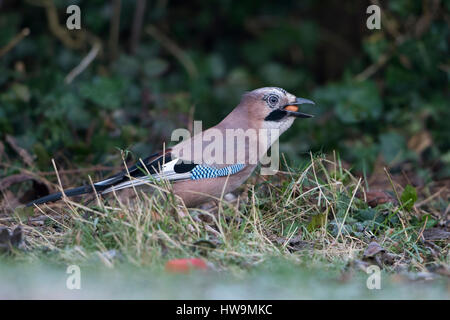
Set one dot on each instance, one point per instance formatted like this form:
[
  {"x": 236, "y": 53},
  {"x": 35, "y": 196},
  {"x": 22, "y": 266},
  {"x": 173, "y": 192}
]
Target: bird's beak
[{"x": 292, "y": 108}]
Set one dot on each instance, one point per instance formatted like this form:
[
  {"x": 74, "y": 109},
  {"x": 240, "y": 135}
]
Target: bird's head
[{"x": 274, "y": 107}]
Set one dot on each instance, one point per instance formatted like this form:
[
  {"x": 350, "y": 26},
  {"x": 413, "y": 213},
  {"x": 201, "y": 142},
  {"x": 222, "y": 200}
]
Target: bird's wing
[
  {"x": 165, "y": 170},
  {"x": 163, "y": 166},
  {"x": 149, "y": 165}
]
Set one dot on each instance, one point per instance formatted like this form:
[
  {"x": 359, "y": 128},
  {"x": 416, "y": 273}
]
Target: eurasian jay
[{"x": 213, "y": 162}]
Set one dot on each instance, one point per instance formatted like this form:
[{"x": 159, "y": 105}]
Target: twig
[
  {"x": 84, "y": 63},
  {"x": 422, "y": 229},
  {"x": 398, "y": 199},
  {"x": 425, "y": 201},
  {"x": 114, "y": 30},
  {"x": 430, "y": 9},
  {"x": 174, "y": 49},
  {"x": 20, "y": 151},
  {"x": 392, "y": 184},
  {"x": 13, "y": 179},
  {"x": 348, "y": 209},
  {"x": 373, "y": 68},
  {"x": 64, "y": 197},
  {"x": 97, "y": 197},
  {"x": 422, "y": 25},
  {"x": 137, "y": 25},
  {"x": 73, "y": 40},
  {"x": 321, "y": 193},
  {"x": 14, "y": 41}
]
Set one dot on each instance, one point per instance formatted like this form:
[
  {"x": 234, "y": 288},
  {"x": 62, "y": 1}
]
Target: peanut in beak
[{"x": 291, "y": 108}]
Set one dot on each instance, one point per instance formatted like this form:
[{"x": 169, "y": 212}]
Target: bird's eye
[{"x": 272, "y": 100}]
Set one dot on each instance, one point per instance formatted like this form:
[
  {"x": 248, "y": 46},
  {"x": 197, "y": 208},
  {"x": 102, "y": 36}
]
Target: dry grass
[{"x": 313, "y": 214}]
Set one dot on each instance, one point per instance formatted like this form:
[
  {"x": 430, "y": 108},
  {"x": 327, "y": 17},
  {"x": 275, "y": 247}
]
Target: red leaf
[{"x": 185, "y": 265}]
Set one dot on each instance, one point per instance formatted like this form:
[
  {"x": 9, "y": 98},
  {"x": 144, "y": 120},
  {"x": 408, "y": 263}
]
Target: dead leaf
[
  {"x": 376, "y": 253},
  {"x": 295, "y": 243},
  {"x": 4, "y": 235},
  {"x": 16, "y": 237},
  {"x": 9, "y": 240},
  {"x": 389, "y": 258},
  {"x": 377, "y": 197},
  {"x": 440, "y": 270},
  {"x": 11, "y": 200},
  {"x": 352, "y": 266},
  {"x": 372, "y": 249},
  {"x": 358, "y": 264},
  {"x": 435, "y": 234},
  {"x": 185, "y": 265},
  {"x": 13, "y": 179}
]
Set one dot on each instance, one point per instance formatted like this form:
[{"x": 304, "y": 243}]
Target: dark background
[{"x": 381, "y": 96}]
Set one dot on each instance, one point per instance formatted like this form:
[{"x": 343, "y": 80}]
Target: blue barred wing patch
[{"x": 205, "y": 172}]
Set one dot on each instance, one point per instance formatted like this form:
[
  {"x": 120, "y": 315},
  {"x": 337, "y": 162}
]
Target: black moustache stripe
[{"x": 276, "y": 115}]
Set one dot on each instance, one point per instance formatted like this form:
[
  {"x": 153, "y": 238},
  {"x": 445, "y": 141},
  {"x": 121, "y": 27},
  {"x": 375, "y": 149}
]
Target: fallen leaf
[
  {"x": 359, "y": 264},
  {"x": 4, "y": 235},
  {"x": 377, "y": 197},
  {"x": 389, "y": 258},
  {"x": 37, "y": 190},
  {"x": 9, "y": 201},
  {"x": 13, "y": 179},
  {"x": 435, "y": 234},
  {"x": 16, "y": 236},
  {"x": 441, "y": 270},
  {"x": 372, "y": 249},
  {"x": 9, "y": 240},
  {"x": 185, "y": 265}
]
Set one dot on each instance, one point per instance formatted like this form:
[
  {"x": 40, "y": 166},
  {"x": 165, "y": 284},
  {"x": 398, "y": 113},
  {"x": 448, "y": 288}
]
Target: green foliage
[
  {"x": 104, "y": 92},
  {"x": 369, "y": 214},
  {"x": 409, "y": 197},
  {"x": 317, "y": 221},
  {"x": 351, "y": 101},
  {"x": 134, "y": 101},
  {"x": 381, "y": 96}
]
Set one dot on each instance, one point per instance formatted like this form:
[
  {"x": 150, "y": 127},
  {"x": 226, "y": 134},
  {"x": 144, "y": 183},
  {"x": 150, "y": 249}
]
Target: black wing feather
[
  {"x": 151, "y": 165},
  {"x": 183, "y": 167}
]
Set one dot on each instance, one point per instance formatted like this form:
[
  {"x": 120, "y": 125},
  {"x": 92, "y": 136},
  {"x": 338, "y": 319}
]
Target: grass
[{"x": 304, "y": 228}]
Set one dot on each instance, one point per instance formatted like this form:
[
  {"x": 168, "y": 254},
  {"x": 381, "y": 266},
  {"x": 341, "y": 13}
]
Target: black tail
[
  {"x": 150, "y": 163},
  {"x": 57, "y": 196}
]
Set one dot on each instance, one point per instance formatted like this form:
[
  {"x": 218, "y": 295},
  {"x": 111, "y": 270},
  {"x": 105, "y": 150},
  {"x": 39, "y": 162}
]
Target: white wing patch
[{"x": 167, "y": 172}]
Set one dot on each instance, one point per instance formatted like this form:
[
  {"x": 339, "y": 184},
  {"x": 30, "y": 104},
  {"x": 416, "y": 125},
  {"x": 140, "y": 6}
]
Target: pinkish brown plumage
[{"x": 215, "y": 161}]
